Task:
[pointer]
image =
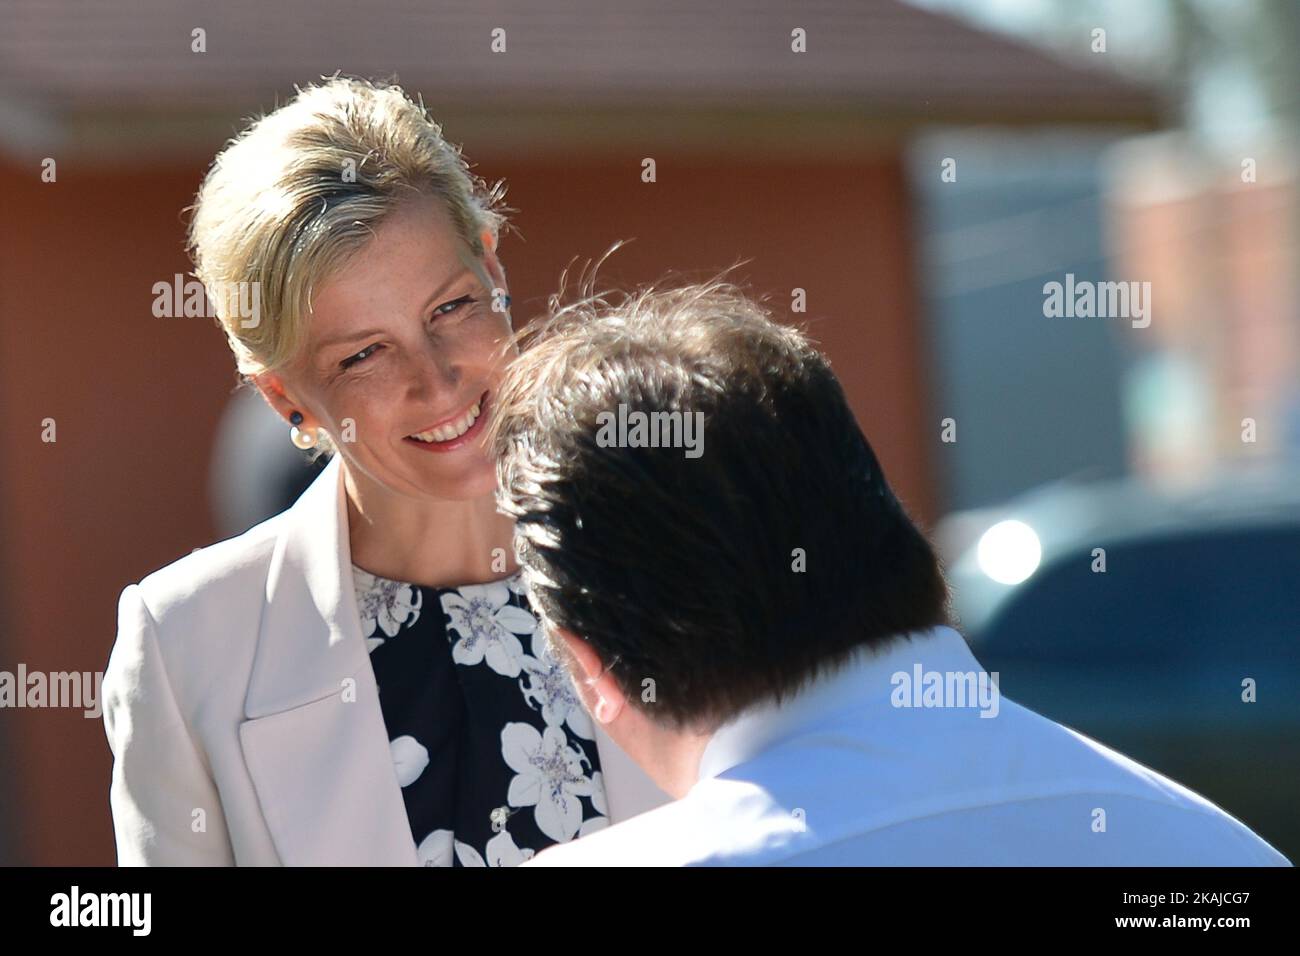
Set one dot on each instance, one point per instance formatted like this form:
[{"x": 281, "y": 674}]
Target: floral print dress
[{"x": 496, "y": 758}]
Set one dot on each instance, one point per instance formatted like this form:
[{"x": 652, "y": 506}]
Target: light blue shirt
[{"x": 906, "y": 756}]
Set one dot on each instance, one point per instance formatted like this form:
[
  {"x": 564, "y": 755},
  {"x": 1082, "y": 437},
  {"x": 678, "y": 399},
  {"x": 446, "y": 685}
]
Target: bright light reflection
[{"x": 1009, "y": 552}]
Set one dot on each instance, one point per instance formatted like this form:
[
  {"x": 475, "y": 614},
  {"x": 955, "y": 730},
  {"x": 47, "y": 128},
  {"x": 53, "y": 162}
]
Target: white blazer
[{"x": 243, "y": 714}]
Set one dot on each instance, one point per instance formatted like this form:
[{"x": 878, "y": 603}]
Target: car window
[{"x": 1227, "y": 597}]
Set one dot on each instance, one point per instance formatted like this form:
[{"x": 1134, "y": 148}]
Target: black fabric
[{"x": 466, "y": 716}]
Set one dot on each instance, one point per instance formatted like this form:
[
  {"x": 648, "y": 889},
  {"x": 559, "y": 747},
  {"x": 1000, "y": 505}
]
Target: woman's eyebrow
[
  {"x": 351, "y": 336},
  {"x": 348, "y": 337}
]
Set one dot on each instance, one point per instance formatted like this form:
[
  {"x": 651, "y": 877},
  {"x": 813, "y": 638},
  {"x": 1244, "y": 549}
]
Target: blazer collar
[
  {"x": 315, "y": 743},
  {"x": 310, "y": 637}
]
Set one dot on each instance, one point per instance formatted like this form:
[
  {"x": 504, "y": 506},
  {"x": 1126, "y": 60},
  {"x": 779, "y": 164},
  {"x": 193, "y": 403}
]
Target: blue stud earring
[{"x": 295, "y": 418}]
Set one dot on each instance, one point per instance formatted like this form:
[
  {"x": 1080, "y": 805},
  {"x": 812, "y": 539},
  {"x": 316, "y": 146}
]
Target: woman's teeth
[{"x": 447, "y": 432}]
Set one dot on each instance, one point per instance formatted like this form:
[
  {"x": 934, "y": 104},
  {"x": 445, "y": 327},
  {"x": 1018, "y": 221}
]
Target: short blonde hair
[{"x": 289, "y": 199}]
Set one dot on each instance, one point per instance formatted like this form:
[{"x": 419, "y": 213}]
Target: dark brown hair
[{"x": 684, "y": 570}]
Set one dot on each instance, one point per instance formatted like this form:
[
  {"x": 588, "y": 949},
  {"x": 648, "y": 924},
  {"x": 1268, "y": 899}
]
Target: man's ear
[{"x": 600, "y": 692}]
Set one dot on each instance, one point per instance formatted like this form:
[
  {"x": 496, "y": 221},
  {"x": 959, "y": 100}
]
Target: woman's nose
[{"x": 433, "y": 371}]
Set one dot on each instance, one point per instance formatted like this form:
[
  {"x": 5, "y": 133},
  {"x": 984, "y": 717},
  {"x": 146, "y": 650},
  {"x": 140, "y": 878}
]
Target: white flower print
[
  {"x": 410, "y": 757},
  {"x": 469, "y": 856},
  {"x": 592, "y": 824},
  {"x": 501, "y": 851},
  {"x": 600, "y": 804},
  {"x": 487, "y": 624},
  {"x": 384, "y": 605},
  {"x": 598, "y": 793},
  {"x": 551, "y": 687},
  {"x": 548, "y": 757},
  {"x": 549, "y": 776},
  {"x": 436, "y": 849}
]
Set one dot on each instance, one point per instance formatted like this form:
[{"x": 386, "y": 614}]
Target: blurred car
[{"x": 1142, "y": 618}]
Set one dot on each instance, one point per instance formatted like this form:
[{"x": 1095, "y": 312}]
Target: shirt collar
[{"x": 861, "y": 684}]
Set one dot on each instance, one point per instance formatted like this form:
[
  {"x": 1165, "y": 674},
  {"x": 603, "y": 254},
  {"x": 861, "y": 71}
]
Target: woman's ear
[
  {"x": 495, "y": 270},
  {"x": 486, "y": 268},
  {"x": 272, "y": 388}
]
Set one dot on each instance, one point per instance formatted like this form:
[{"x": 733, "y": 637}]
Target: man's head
[{"x": 679, "y": 587}]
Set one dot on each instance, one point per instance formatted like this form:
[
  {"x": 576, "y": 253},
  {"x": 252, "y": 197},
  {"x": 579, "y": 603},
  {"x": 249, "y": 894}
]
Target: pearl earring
[{"x": 303, "y": 438}]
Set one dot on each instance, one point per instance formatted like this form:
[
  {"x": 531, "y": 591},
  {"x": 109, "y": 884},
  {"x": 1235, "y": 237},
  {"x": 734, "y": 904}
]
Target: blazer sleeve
[{"x": 159, "y": 779}]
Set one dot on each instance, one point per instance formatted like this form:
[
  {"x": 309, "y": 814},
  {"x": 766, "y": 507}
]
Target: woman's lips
[{"x": 459, "y": 441}]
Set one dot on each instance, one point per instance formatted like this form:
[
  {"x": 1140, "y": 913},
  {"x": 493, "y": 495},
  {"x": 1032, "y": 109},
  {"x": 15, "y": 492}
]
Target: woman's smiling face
[{"x": 403, "y": 341}]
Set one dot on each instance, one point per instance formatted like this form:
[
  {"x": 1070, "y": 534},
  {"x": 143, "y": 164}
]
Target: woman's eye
[
  {"x": 445, "y": 309},
  {"x": 353, "y": 359},
  {"x": 448, "y": 307}
]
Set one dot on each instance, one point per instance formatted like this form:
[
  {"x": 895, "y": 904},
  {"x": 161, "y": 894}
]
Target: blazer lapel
[{"x": 315, "y": 741}]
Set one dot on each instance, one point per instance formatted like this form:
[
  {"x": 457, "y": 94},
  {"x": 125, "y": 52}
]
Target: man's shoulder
[
  {"x": 639, "y": 841},
  {"x": 931, "y": 788},
  {"x": 737, "y": 822},
  {"x": 1173, "y": 813},
  {"x": 1060, "y": 797},
  {"x": 718, "y": 819}
]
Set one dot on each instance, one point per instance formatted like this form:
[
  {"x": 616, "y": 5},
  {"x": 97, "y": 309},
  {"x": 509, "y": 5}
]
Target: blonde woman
[{"x": 360, "y": 679}]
